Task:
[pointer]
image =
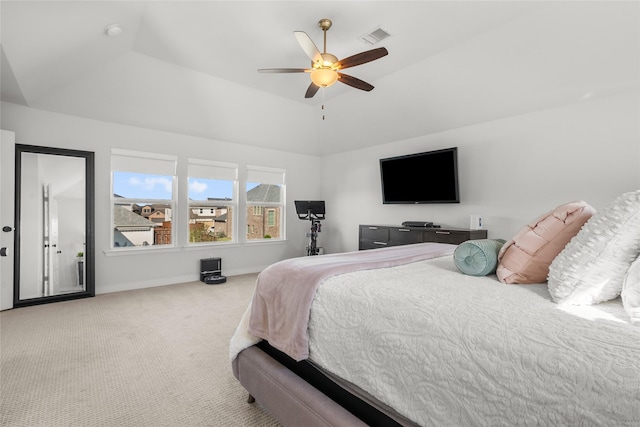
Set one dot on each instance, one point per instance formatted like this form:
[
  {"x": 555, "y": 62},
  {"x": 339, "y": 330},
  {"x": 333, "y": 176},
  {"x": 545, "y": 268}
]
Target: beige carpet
[{"x": 151, "y": 357}]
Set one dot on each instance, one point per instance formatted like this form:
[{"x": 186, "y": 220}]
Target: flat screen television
[{"x": 429, "y": 177}]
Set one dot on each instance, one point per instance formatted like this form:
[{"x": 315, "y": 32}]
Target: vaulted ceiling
[{"x": 191, "y": 66}]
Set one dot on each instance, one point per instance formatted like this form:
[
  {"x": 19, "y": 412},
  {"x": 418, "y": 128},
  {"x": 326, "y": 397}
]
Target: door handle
[
  {"x": 3, "y": 251},
  {"x": 7, "y": 229}
]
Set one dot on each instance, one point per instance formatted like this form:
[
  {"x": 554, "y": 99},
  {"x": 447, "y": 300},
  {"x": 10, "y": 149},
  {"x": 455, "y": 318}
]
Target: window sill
[
  {"x": 192, "y": 247},
  {"x": 265, "y": 241},
  {"x": 140, "y": 251}
]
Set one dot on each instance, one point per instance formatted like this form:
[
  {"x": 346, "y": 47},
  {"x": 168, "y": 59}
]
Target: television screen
[{"x": 430, "y": 177}]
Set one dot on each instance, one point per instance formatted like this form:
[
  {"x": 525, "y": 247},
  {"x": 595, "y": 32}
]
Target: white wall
[
  {"x": 7, "y": 154},
  {"x": 511, "y": 170},
  {"x": 115, "y": 273}
]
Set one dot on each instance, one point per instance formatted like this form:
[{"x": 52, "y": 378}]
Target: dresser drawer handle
[
  {"x": 373, "y": 228},
  {"x": 380, "y": 243},
  {"x": 443, "y": 232},
  {"x": 403, "y": 229}
]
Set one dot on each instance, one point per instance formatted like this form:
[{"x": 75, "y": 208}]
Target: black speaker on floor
[{"x": 211, "y": 271}]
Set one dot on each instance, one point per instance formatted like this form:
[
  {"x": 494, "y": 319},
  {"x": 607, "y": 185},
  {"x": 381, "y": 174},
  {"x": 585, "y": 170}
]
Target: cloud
[
  {"x": 197, "y": 187},
  {"x": 150, "y": 184}
]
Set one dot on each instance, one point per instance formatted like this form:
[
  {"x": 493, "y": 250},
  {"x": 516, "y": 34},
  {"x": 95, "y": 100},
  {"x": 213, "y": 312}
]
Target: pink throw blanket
[{"x": 285, "y": 290}]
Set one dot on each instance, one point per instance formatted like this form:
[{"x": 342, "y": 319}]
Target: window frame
[
  {"x": 268, "y": 176},
  {"x": 215, "y": 170},
  {"x": 146, "y": 164}
]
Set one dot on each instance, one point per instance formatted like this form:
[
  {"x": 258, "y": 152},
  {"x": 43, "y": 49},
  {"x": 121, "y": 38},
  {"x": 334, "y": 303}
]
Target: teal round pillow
[{"x": 477, "y": 257}]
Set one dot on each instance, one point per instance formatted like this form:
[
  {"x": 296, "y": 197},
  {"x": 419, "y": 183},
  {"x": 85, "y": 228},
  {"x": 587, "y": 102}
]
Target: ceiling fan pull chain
[{"x": 323, "y": 102}]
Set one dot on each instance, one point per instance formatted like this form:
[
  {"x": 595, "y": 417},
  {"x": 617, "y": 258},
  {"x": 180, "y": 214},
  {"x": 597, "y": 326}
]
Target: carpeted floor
[{"x": 150, "y": 357}]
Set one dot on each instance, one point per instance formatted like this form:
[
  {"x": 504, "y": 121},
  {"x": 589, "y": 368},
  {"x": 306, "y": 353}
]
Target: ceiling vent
[{"x": 375, "y": 36}]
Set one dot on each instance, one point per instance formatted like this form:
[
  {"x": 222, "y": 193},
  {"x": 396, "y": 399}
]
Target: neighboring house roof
[
  {"x": 158, "y": 207},
  {"x": 223, "y": 204},
  {"x": 123, "y": 217},
  {"x": 138, "y": 208},
  {"x": 119, "y": 203},
  {"x": 157, "y": 217},
  {"x": 154, "y": 207},
  {"x": 264, "y": 193}
]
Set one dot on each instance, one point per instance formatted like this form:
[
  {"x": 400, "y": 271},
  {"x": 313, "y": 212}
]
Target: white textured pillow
[
  {"x": 631, "y": 292},
  {"x": 592, "y": 267}
]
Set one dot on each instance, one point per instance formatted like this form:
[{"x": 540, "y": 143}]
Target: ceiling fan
[{"x": 325, "y": 67}]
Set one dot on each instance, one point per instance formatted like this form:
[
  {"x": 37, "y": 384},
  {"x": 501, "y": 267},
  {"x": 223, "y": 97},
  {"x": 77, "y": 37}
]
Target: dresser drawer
[
  {"x": 446, "y": 236},
  {"x": 404, "y": 236},
  {"x": 380, "y": 234}
]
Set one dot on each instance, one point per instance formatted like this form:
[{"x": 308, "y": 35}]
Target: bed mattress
[{"x": 443, "y": 348}]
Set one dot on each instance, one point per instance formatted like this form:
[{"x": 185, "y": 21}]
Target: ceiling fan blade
[
  {"x": 311, "y": 90},
  {"x": 308, "y": 46},
  {"x": 283, "y": 70},
  {"x": 354, "y": 82},
  {"x": 362, "y": 58}
]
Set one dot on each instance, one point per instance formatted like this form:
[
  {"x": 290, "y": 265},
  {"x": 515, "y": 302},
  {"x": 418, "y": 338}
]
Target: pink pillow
[{"x": 527, "y": 256}]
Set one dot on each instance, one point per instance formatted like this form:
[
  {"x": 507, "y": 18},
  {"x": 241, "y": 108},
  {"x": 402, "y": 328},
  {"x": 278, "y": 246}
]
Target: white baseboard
[{"x": 130, "y": 286}]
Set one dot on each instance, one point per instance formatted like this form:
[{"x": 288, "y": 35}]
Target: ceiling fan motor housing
[
  {"x": 328, "y": 60},
  {"x": 324, "y": 24}
]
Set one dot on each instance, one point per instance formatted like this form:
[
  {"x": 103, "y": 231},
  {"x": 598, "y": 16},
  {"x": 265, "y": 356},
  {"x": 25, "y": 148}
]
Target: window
[
  {"x": 142, "y": 198},
  {"x": 265, "y": 191},
  {"x": 212, "y": 201}
]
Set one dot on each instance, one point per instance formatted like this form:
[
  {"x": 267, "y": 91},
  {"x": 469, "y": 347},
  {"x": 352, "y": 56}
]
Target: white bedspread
[{"x": 445, "y": 349}]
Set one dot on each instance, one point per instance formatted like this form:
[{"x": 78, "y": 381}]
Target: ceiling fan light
[{"x": 324, "y": 77}]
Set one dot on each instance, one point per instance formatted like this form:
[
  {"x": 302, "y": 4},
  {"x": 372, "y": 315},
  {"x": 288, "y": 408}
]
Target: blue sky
[{"x": 142, "y": 186}]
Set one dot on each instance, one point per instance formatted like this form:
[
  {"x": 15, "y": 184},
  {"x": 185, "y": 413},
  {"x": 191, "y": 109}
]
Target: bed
[{"x": 401, "y": 336}]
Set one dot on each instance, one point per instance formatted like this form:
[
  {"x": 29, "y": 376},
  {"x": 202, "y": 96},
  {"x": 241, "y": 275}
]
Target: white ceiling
[{"x": 190, "y": 66}]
